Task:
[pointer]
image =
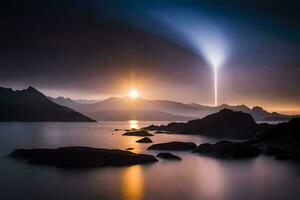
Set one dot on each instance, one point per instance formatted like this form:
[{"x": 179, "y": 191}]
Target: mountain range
[
  {"x": 124, "y": 108},
  {"x": 30, "y": 105}
]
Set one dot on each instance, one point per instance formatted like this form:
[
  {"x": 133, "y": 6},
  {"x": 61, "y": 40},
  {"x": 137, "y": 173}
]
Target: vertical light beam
[
  {"x": 216, "y": 85},
  {"x": 203, "y": 37}
]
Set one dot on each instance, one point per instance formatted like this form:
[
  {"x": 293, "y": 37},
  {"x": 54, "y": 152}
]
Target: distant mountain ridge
[
  {"x": 177, "y": 111},
  {"x": 30, "y": 105}
]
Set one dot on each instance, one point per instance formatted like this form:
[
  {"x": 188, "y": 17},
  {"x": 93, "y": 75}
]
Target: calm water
[{"x": 193, "y": 178}]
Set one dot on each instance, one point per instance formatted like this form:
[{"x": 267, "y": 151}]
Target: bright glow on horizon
[
  {"x": 133, "y": 93},
  {"x": 133, "y": 124}
]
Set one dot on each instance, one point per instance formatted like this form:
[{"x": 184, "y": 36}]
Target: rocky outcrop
[
  {"x": 168, "y": 156},
  {"x": 278, "y": 153},
  {"x": 280, "y": 140},
  {"x": 174, "y": 146},
  {"x": 144, "y": 140},
  {"x": 229, "y": 150},
  {"x": 81, "y": 157},
  {"x": 224, "y": 124},
  {"x": 141, "y": 133}
]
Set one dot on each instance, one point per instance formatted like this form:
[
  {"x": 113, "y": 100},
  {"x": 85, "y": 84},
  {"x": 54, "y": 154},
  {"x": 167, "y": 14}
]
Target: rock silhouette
[
  {"x": 168, "y": 156},
  {"x": 144, "y": 140},
  {"x": 175, "y": 146},
  {"x": 141, "y": 133},
  {"x": 81, "y": 157},
  {"x": 227, "y": 149},
  {"x": 224, "y": 124}
]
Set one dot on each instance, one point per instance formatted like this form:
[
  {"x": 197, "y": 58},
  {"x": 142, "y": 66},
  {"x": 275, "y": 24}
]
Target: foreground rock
[
  {"x": 81, "y": 157},
  {"x": 168, "y": 156},
  {"x": 138, "y": 133},
  {"x": 224, "y": 124},
  {"x": 280, "y": 140},
  {"x": 278, "y": 153},
  {"x": 144, "y": 140},
  {"x": 226, "y": 149},
  {"x": 174, "y": 146}
]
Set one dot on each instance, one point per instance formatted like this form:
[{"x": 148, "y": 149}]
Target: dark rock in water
[
  {"x": 152, "y": 127},
  {"x": 130, "y": 148},
  {"x": 138, "y": 133},
  {"x": 283, "y": 157},
  {"x": 203, "y": 148},
  {"x": 173, "y": 146},
  {"x": 168, "y": 156},
  {"x": 226, "y": 123},
  {"x": 226, "y": 149},
  {"x": 273, "y": 151},
  {"x": 144, "y": 140},
  {"x": 223, "y": 124},
  {"x": 280, "y": 154},
  {"x": 133, "y": 129},
  {"x": 81, "y": 157},
  {"x": 281, "y": 140}
]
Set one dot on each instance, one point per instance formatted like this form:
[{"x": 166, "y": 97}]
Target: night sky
[{"x": 95, "y": 49}]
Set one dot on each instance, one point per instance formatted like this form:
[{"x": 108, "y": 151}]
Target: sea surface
[{"x": 194, "y": 178}]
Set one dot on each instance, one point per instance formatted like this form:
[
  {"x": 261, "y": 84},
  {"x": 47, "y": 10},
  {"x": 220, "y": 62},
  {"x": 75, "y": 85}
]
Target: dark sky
[{"x": 96, "y": 49}]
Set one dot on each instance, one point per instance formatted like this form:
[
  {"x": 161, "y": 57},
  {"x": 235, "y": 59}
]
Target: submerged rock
[
  {"x": 138, "y": 133},
  {"x": 226, "y": 149},
  {"x": 81, "y": 157},
  {"x": 175, "y": 146},
  {"x": 168, "y": 156},
  {"x": 144, "y": 140}
]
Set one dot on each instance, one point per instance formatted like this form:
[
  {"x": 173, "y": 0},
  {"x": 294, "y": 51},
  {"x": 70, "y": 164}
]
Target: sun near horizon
[{"x": 133, "y": 93}]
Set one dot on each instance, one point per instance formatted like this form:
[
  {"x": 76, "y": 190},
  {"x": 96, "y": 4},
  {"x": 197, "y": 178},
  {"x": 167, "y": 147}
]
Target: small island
[{"x": 81, "y": 157}]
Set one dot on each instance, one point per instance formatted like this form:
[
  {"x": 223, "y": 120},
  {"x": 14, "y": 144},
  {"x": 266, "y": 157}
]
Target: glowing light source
[
  {"x": 133, "y": 93},
  {"x": 216, "y": 85},
  {"x": 133, "y": 124},
  {"x": 201, "y": 35}
]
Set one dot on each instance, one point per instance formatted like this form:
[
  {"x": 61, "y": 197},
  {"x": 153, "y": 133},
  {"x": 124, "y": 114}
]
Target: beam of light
[
  {"x": 216, "y": 85},
  {"x": 200, "y": 35},
  {"x": 132, "y": 183}
]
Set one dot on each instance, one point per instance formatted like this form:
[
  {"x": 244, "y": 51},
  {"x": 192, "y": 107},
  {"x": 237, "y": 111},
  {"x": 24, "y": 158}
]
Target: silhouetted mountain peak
[
  {"x": 192, "y": 110},
  {"x": 32, "y": 105},
  {"x": 257, "y": 108},
  {"x": 30, "y": 88}
]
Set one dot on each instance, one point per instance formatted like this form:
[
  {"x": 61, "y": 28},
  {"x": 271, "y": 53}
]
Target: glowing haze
[
  {"x": 165, "y": 49},
  {"x": 203, "y": 36}
]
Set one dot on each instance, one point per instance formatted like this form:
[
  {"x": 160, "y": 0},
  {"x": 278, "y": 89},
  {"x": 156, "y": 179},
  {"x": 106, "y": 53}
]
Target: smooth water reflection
[
  {"x": 132, "y": 183},
  {"x": 133, "y": 124},
  {"x": 194, "y": 178}
]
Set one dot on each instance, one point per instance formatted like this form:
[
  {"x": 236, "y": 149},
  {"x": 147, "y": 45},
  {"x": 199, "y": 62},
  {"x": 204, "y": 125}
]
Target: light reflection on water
[
  {"x": 132, "y": 183},
  {"x": 133, "y": 124},
  {"x": 194, "y": 178}
]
